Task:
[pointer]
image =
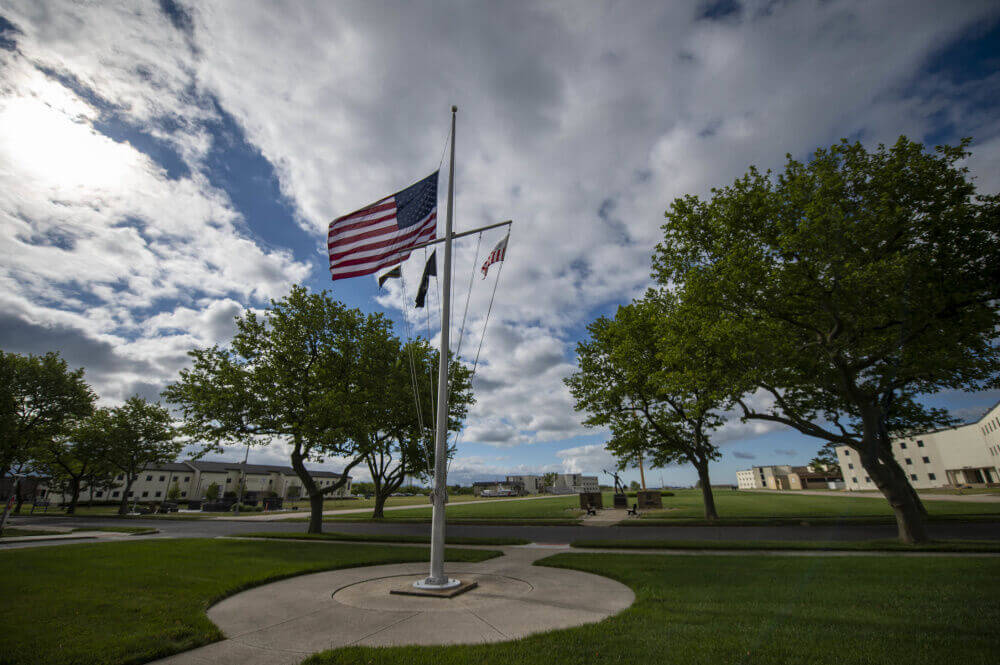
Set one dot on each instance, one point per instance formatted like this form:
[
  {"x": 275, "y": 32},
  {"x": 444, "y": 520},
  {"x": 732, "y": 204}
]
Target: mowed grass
[
  {"x": 131, "y": 602},
  {"x": 835, "y": 546},
  {"x": 715, "y": 610},
  {"x": 556, "y": 508},
  {"x": 730, "y": 504},
  {"x": 10, "y": 532}
]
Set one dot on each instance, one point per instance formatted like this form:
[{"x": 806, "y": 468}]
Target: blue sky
[{"x": 167, "y": 166}]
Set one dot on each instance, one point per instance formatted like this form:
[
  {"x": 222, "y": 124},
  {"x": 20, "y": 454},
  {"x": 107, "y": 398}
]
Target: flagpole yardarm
[{"x": 437, "y": 578}]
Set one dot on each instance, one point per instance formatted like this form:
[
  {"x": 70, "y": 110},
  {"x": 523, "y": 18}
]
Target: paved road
[{"x": 545, "y": 534}]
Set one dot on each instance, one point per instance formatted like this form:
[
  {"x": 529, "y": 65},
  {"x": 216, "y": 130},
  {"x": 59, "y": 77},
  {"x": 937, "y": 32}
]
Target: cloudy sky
[{"x": 165, "y": 165}]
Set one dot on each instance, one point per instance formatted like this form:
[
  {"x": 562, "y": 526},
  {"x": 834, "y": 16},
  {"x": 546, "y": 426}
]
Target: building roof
[
  {"x": 169, "y": 466},
  {"x": 223, "y": 467}
]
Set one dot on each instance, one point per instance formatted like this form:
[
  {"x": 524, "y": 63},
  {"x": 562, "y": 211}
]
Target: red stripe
[
  {"x": 360, "y": 225},
  {"x": 374, "y": 207},
  {"x": 394, "y": 241},
  {"x": 335, "y": 275},
  {"x": 374, "y": 234},
  {"x": 377, "y": 257}
]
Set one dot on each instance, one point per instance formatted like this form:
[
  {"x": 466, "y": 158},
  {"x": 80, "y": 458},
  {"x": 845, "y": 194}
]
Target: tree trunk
[
  {"x": 123, "y": 506},
  {"x": 379, "y": 511},
  {"x": 906, "y": 505},
  {"x": 316, "y": 512},
  {"x": 706, "y": 490},
  {"x": 73, "y": 497},
  {"x": 18, "y": 501}
]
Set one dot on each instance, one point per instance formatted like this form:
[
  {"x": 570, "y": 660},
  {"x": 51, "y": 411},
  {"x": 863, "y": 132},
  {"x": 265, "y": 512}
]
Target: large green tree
[
  {"x": 843, "y": 290},
  {"x": 131, "y": 437},
  {"x": 40, "y": 399},
  {"x": 298, "y": 373},
  {"x": 398, "y": 427},
  {"x": 635, "y": 378},
  {"x": 75, "y": 461}
]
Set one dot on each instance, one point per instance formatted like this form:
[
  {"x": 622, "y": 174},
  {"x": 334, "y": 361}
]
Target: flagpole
[{"x": 437, "y": 578}]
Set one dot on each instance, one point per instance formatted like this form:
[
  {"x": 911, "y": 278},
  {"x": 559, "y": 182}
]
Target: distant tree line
[{"x": 829, "y": 298}]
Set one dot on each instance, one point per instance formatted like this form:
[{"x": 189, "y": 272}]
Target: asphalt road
[{"x": 541, "y": 534}]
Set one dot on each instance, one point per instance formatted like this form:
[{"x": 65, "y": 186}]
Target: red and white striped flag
[
  {"x": 496, "y": 255},
  {"x": 383, "y": 234}
]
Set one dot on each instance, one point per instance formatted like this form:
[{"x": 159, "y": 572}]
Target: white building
[
  {"x": 964, "y": 455},
  {"x": 194, "y": 477},
  {"x": 573, "y": 483},
  {"x": 785, "y": 477}
]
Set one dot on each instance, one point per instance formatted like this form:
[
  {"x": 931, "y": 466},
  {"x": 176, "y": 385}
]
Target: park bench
[
  {"x": 44, "y": 503},
  {"x": 634, "y": 510},
  {"x": 591, "y": 510}
]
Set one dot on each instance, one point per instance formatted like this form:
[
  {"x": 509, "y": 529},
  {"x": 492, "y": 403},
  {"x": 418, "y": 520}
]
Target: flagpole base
[
  {"x": 431, "y": 584},
  {"x": 451, "y": 589}
]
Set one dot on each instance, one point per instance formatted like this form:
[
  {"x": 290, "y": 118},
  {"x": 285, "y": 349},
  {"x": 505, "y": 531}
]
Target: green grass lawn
[
  {"x": 848, "y": 545},
  {"x": 131, "y": 602},
  {"x": 687, "y": 505},
  {"x": 755, "y": 609},
  {"x": 556, "y": 509},
  {"x": 132, "y": 530},
  {"x": 383, "y": 538}
]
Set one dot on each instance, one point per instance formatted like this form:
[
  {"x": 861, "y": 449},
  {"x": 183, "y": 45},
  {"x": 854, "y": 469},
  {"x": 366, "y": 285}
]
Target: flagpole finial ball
[{"x": 454, "y": 109}]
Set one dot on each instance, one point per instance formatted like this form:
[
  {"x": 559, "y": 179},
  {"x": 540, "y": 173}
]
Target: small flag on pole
[
  {"x": 395, "y": 273},
  {"x": 382, "y": 234},
  {"x": 430, "y": 270},
  {"x": 496, "y": 255}
]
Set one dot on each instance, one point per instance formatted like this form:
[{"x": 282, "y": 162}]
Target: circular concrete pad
[
  {"x": 284, "y": 621},
  {"x": 374, "y": 594}
]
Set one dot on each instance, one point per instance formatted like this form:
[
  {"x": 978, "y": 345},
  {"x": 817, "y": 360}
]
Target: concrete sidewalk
[{"x": 283, "y": 622}]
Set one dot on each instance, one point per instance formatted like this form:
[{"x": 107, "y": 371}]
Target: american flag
[
  {"x": 383, "y": 234},
  {"x": 496, "y": 255}
]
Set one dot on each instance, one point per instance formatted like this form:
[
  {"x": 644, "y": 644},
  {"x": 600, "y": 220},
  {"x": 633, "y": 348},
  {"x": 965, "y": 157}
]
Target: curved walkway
[{"x": 283, "y": 622}]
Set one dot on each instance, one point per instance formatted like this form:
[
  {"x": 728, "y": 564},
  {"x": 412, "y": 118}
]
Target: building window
[
  {"x": 184, "y": 493},
  {"x": 927, "y": 460},
  {"x": 145, "y": 494},
  {"x": 187, "y": 478},
  {"x": 902, "y": 446},
  {"x": 115, "y": 493},
  {"x": 867, "y": 479},
  {"x": 909, "y": 461},
  {"x": 846, "y": 453},
  {"x": 850, "y": 466},
  {"x": 229, "y": 480},
  {"x": 931, "y": 476},
  {"x": 121, "y": 476},
  {"x": 913, "y": 476},
  {"x": 854, "y": 479},
  {"x": 130, "y": 494},
  {"x": 158, "y": 493},
  {"x": 162, "y": 478},
  {"x": 99, "y": 494},
  {"x": 920, "y": 444},
  {"x": 149, "y": 477}
]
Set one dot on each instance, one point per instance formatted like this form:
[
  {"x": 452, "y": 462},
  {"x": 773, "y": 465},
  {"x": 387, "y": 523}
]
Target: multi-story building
[
  {"x": 954, "y": 456},
  {"x": 785, "y": 477},
  {"x": 573, "y": 483},
  {"x": 563, "y": 483},
  {"x": 194, "y": 477}
]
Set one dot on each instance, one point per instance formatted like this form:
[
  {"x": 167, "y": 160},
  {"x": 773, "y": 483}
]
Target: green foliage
[
  {"x": 844, "y": 289},
  {"x": 174, "y": 492},
  {"x": 212, "y": 492},
  {"x": 40, "y": 400},
  {"x": 307, "y": 370},
  {"x": 826, "y": 460}
]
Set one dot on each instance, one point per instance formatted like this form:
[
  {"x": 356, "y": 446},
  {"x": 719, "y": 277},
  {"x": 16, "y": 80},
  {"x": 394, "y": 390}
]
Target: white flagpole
[{"x": 437, "y": 578}]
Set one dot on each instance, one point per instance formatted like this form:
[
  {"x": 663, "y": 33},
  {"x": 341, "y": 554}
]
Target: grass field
[
  {"x": 687, "y": 504},
  {"x": 833, "y": 546},
  {"x": 756, "y": 609},
  {"x": 131, "y": 602},
  {"x": 554, "y": 509},
  {"x": 383, "y": 538}
]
